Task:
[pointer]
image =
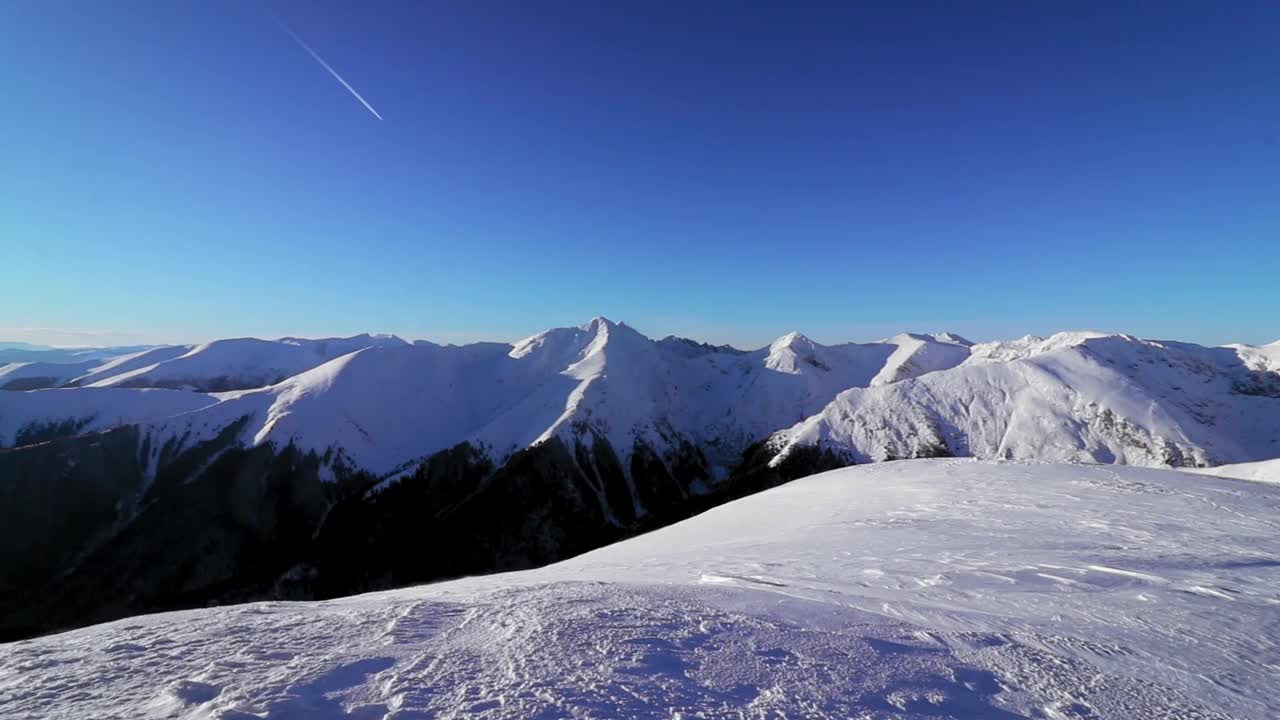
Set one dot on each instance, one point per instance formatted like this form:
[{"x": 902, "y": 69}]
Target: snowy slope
[
  {"x": 956, "y": 589},
  {"x": 1261, "y": 471},
  {"x": 1030, "y": 345},
  {"x": 920, "y": 354},
  {"x": 1074, "y": 397},
  {"x": 24, "y": 353},
  {"x": 79, "y": 372},
  {"x": 90, "y": 409},
  {"x": 1259, "y": 357},
  {"x": 240, "y": 363},
  {"x": 130, "y": 362},
  {"x": 388, "y": 405},
  {"x": 35, "y": 375}
]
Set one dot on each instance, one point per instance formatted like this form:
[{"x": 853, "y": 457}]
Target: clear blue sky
[{"x": 178, "y": 171}]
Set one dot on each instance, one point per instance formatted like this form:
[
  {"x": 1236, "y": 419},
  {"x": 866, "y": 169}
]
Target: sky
[{"x": 729, "y": 171}]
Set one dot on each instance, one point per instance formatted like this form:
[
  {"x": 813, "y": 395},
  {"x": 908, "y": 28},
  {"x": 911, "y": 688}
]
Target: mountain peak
[
  {"x": 952, "y": 338},
  {"x": 598, "y": 323},
  {"x": 793, "y": 340},
  {"x": 568, "y": 342},
  {"x": 792, "y": 352}
]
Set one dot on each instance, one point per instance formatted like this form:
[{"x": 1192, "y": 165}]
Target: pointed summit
[
  {"x": 794, "y": 340},
  {"x": 793, "y": 352},
  {"x": 598, "y": 323},
  {"x": 567, "y": 342}
]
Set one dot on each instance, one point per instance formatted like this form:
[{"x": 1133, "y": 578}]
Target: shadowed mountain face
[
  {"x": 396, "y": 463},
  {"x": 222, "y": 523}
]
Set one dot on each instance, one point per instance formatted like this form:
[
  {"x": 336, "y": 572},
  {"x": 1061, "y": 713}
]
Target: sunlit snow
[{"x": 924, "y": 588}]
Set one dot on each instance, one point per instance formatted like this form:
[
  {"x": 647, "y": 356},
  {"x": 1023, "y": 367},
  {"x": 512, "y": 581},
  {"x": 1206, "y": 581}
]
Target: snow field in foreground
[{"x": 924, "y": 588}]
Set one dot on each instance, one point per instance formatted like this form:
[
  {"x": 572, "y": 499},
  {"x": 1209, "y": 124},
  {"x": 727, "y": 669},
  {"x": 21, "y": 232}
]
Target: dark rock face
[
  {"x": 38, "y": 432},
  {"x": 86, "y": 538},
  {"x": 755, "y": 472},
  {"x": 457, "y": 515},
  {"x": 56, "y": 500},
  {"x": 1259, "y": 383}
]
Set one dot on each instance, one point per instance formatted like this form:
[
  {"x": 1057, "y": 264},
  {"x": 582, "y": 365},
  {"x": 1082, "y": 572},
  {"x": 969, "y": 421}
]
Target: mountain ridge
[{"x": 326, "y": 482}]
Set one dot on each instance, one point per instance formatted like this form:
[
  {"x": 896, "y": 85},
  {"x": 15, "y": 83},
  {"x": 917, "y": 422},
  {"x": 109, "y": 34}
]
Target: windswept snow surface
[{"x": 924, "y": 588}]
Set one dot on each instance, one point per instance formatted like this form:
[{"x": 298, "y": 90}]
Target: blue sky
[{"x": 724, "y": 170}]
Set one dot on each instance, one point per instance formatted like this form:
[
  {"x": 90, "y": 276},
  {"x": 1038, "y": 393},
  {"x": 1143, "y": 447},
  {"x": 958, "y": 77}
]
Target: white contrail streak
[{"x": 332, "y": 72}]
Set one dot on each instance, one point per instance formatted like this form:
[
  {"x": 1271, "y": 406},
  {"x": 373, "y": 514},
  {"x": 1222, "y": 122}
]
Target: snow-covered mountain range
[
  {"x": 233, "y": 364},
  {"x": 917, "y": 589},
  {"x": 383, "y": 402},
  {"x": 1074, "y": 396},
  {"x": 386, "y": 406},
  {"x": 248, "y": 468}
]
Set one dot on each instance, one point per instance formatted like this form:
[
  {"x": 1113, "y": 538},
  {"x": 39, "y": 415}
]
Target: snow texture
[{"x": 924, "y": 588}]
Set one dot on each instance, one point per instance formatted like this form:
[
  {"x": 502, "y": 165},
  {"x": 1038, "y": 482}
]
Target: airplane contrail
[{"x": 325, "y": 65}]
